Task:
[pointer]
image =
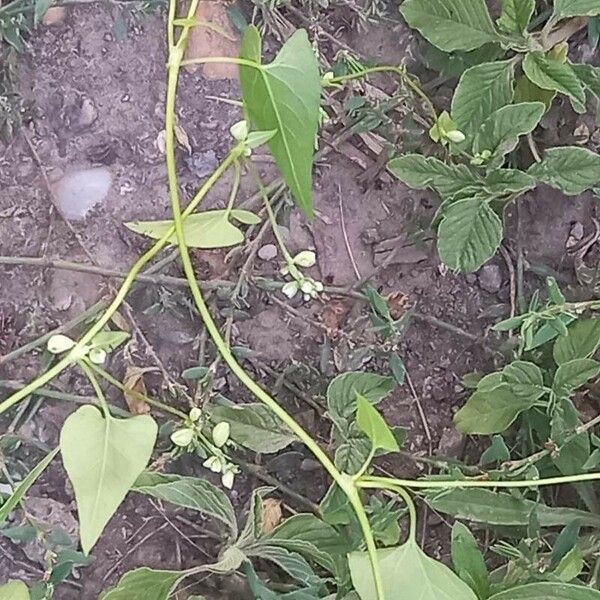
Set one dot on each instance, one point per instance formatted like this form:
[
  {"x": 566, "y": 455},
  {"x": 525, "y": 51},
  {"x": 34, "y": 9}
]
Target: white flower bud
[
  {"x": 97, "y": 356},
  {"x": 212, "y": 463},
  {"x": 182, "y": 437},
  {"x": 307, "y": 287},
  {"x": 60, "y": 343},
  {"x": 220, "y": 433},
  {"x": 227, "y": 479},
  {"x": 239, "y": 131},
  {"x": 195, "y": 414},
  {"x": 290, "y": 289},
  {"x": 456, "y": 136},
  {"x": 306, "y": 258}
]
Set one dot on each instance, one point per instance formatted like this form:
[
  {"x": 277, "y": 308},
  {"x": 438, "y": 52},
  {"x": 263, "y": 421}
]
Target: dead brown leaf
[
  {"x": 134, "y": 380},
  {"x": 218, "y": 40},
  {"x": 120, "y": 322},
  {"x": 272, "y": 514}
]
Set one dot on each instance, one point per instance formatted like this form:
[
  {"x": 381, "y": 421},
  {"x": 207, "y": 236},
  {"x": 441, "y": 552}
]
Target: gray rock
[
  {"x": 490, "y": 278},
  {"x": 80, "y": 191},
  {"x": 267, "y": 252}
]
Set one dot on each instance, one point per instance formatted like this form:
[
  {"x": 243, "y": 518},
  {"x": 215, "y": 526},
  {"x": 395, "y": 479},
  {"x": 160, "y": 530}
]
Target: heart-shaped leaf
[
  {"x": 285, "y": 96},
  {"x": 372, "y": 423},
  {"x": 208, "y": 229},
  {"x": 14, "y": 590},
  {"x": 407, "y": 569},
  {"x": 103, "y": 458}
]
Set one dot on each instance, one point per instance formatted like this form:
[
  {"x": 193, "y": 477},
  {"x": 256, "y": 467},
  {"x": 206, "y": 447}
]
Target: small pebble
[
  {"x": 267, "y": 252},
  {"x": 490, "y": 278},
  {"x": 54, "y": 15}
]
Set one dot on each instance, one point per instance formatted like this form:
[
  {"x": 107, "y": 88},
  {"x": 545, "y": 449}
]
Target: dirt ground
[{"x": 98, "y": 103}]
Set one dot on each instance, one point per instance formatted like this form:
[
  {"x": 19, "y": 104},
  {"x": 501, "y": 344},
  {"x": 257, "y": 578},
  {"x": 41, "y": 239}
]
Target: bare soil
[{"x": 98, "y": 101}]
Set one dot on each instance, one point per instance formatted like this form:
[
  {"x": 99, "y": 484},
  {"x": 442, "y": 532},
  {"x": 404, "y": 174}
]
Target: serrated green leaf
[
  {"x": 573, "y": 374},
  {"x": 451, "y": 24},
  {"x": 508, "y": 181},
  {"x": 312, "y": 538},
  {"x": 407, "y": 569},
  {"x": 20, "y": 490},
  {"x": 208, "y": 229},
  {"x": 515, "y": 15},
  {"x": 500, "y": 132},
  {"x": 291, "y": 562},
  {"x": 548, "y": 591},
  {"x": 525, "y": 380},
  {"x": 420, "y": 172},
  {"x": 374, "y": 426},
  {"x": 468, "y": 561},
  {"x": 576, "y": 8},
  {"x": 14, "y": 590},
  {"x": 469, "y": 235},
  {"x": 145, "y": 584},
  {"x": 570, "y": 566},
  {"x": 582, "y": 341},
  {"x": 342, "y": 391},
  {"x": 103, "y": 457},
  {"x": 255, "y": 427},
  {"x": 481, "y": 91},
  {"x": 527, "y": 91},
  {"x": 571, "y": 169},
  {"x": 189, "y": 492},
  {"x": 550, "y": 74},
  {"x": 498, "y": 508},
  {"x": 491, "y": 411},
  {"x": 285, "y": 96},
  {"x": 353, "y": 447},
  {"x": 589, "y": 76}
]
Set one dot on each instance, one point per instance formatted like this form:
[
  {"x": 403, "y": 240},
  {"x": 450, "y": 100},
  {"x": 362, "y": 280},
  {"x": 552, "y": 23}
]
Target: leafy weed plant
[{"x": 353, "y": 547}]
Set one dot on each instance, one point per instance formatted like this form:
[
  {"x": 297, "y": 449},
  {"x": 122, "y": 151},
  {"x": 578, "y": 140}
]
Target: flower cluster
[
  {"x": 444, "y": 130},
  {"x": 191, "y": 437},
  {"x": 301, "y": 283}
]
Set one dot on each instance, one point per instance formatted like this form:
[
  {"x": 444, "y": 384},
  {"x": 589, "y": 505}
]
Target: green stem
[
  {"x": 474, "y": 483},
  {"x": 139, "y": 396},
  {"x": 365, "y": 465},
  {"x": 234, "y": 187},
  {"x": 398, "y": 71},
  {"x": 219, "y": 59},
  {"x": 345, "y": 482},
  {"x": 410, "y": 505},
  {"x": 86, "y": 367}
]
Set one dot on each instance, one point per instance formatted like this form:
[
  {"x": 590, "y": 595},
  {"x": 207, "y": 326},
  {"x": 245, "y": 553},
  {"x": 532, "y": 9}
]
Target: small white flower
[
  {"x": 307, "y": 287},
  {"x": 318, "y": 286},
  {"x": 306, "y": 258},
  {"x": 97, "y": 356},
  {"x": 239, "y": 131},
  {"x": 220, "y": 433},
  {"x": 213, "y": 463},
  {"x": 182, "y": 437},
  {"x": 59, "y": 343},
  {"x": 456, "y": 136},
  {"x": 195, "y": 414},
  {"x": 290, "y": 289},
  {"x": 227, "y": 479}
]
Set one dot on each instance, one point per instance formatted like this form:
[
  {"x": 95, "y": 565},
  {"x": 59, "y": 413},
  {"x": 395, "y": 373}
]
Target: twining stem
[
  {"x": 237, "y": 175},
  {"x": 436, "y": 484},
  {"x": 410, "y": 505},
  {"x": 397, "y": 71},
  {"x": 86, "y": 367},
  {"x": 344, "y": 481}
]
